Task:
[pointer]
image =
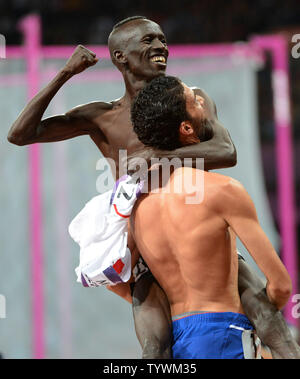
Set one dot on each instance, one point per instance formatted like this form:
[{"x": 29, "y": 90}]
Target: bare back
[{"x": 189, "y": 247}]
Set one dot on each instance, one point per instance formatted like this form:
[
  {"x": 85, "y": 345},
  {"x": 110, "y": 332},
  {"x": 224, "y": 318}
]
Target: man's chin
[{"x": 156, "y": 73}]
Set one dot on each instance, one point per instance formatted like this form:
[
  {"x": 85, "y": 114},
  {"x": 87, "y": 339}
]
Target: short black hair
[
  {"x": 157, "y": 112},
  {"x": 128, "y": 19}
]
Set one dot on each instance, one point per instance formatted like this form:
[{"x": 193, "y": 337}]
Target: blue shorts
[{"x": 211, "y": 336}]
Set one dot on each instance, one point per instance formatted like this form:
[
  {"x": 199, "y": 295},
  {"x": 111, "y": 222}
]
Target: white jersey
[{"x": 101, "y": 231}]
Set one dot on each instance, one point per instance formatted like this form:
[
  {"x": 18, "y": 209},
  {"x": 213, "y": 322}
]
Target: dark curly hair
[{"x": 157, "y": 111}]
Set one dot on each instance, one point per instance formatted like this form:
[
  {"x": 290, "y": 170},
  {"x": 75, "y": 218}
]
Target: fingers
[
  {"x": 90, "y": 61},
  {"x": 80, "y": 60},
  {"x": 90, "y": 52},
  {"x": 93, "y": 61},
  {"x": 87, "y": 55}
]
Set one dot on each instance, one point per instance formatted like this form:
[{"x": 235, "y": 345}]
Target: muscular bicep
[
  {"x": 76, "y": 122},
  {"x": 59, "y": 128}
]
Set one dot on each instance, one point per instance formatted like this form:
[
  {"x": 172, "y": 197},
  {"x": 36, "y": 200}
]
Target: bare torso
[
  {"x": 114, "y": 130},
  {"x": 189, "y": 248},
  {"x": 113, "y": 127}
]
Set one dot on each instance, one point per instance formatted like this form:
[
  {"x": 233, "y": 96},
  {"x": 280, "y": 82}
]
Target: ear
[
  {"x": 186, "y": 128},
  {"x": 119, "y": 57}
]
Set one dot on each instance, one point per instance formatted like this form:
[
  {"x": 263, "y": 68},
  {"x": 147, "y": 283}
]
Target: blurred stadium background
[{"x": 71, "y": 321}]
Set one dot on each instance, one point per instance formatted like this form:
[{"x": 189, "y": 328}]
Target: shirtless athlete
[
  {"x": 138, "y": 49},
  {"x": 190, "y": 249}
]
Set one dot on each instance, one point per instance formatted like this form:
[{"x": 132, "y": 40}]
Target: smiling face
[{"x": 140, "y": 47}]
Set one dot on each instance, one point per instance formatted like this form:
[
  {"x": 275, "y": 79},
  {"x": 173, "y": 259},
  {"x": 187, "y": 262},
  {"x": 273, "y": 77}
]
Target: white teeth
[{"x": 160, "y": 58}]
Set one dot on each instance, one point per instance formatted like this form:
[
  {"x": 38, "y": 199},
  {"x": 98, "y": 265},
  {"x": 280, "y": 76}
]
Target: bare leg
[
  {"x": 269, "y": 323},
  {"x": 152, "y": 318}
]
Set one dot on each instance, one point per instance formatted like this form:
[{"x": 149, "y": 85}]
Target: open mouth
[{"x": 158, "y": 59}]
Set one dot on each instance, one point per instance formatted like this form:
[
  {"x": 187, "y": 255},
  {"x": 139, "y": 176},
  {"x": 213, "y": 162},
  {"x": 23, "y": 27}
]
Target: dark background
[{"x": 184, "y": 22}]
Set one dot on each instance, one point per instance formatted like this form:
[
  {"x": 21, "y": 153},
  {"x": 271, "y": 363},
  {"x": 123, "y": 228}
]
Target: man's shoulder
[
  {"x": 215, "y": 185},
  {"x": 223, "y": 189},
  {"x": 218, "y": 179},
  {"x": 91, "y": 110},
  {"x": 224, "y": 182},
  {"x": 211, "y": 178}
]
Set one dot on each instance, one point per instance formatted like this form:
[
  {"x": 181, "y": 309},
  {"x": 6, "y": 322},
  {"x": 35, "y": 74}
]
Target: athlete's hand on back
[{"x": 80, "y": 60}]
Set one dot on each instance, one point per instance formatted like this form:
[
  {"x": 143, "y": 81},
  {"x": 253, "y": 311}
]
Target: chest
[{"x": 118, "y": 130}]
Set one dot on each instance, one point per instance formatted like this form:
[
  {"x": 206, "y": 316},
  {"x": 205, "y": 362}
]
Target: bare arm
[
  {"x": 218, "y": 152},
  {"x": 28, "y": 128},
  {"x": 240, "y": 214}
]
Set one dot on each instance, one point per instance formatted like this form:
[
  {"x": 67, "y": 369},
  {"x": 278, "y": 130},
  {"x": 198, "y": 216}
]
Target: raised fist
[{"x": 80, "y": 60}]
